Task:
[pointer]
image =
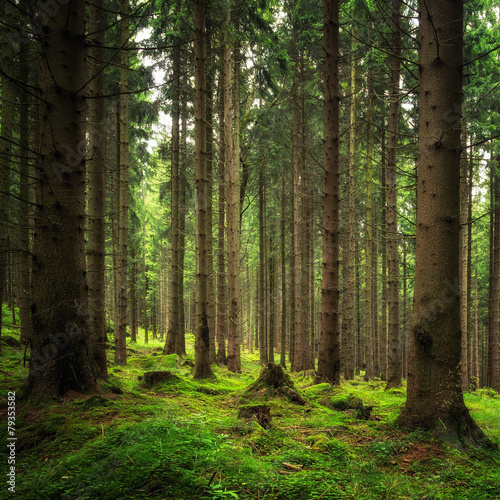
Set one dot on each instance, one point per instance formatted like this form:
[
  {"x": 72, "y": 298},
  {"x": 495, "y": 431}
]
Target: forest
[{"x": 250, "y": 250}]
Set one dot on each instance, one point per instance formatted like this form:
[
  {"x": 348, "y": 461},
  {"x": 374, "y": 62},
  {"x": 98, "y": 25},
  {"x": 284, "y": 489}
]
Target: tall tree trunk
[
  {"x": 202, "y": 333},
  {"x": 297, "y": 327},
  {"x": 221, "y": 232},
  {"x": 96, "y": 252},
  {"x": 262, "y": 267},
  {"x": 121, "y": 330},
  {"x": 24, "y": 260},
  {"x": 475, "y": 351},
  {"x": 369, "y": 316},
  {"x": 133, "y": 294},
  {"x": 272, "y": 298},
  {"x": 493, "y": 349},
  {"x": 172, "y": 343},
  {"x": 464, "y": 375},
  {"x": 7, "y": 123},
  {"x": 383, "y": 240},
  {"x": 349, "y": 263},
  {"x": 183, "y": 183},
  {"x": 394, "y": 353},
  {"x": 61, "y": 348},
  {"x": 434, "y": 397},
  {"x": 233, "y": 202},
  {"x": 329, "y": 351},
  {"x": 303, "y": 362},
  {"x": 283, "y": 336}
]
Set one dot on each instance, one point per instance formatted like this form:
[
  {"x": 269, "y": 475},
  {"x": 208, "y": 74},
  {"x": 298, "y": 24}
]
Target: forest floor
[{"x": 183, "y": 439}]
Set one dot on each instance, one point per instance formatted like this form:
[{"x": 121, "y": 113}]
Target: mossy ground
[{"x": 183, "y": 440}]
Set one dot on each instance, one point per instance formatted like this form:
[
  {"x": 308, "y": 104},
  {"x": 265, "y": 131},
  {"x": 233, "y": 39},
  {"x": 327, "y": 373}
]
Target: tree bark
[
  {"x": 96, "y": 252},
  {"x": 7, "y": 123},
  {"x": 329, "y": 351},
  {"x": 494, "y": 333},
  {"x": 233, "y": 202},
  {"x": 202, "y": 367},
  {"x": 434, "y": 397},
  {"x": 369, "y": 273},
  {"x": 121, "y": 328},
  {"x": 61, "y": 348},
  {"x": 349, "y": 261},
  {"x": 172, "y": 344},
  {"x": 221, "y": 231},
  {"x": 394, "y": 350},
  {"x": 24, "y": 261},
  {"x": 464, "y": 375}
]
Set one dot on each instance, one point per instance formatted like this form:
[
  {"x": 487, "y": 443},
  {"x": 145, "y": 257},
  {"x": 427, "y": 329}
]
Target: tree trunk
[
  {"x": 24, "y": 260},
  {"x": 369, "y": 274},
  {"x": 96, "y": 252},
  {"x": 434, "y": 397},
  {"x": 283, "y": 336},
  {"x": 464, "y": 375},
  {"x": 262, "y": 266},
  {"x": 221, "y": 257},
  {"x": 349, "y": 261},
  {"x": 202, "y": 334},
  {"x": 493, "y": 349},
  {"x": 7, "y": 123},
  {"x": 329, "y": 355},
  {"x": 172, "y": 343},
  {"x": 394, "y": 351},
  {"x": 233, "y": 203},
  {"x": 304, "y": 241},
  {"x": 61, "y": 348},
  {"x": 121, "y": 328},
  {"x": 383, "y": 240}
]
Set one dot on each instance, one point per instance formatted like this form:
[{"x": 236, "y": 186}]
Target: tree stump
[
  {"x": 272, "y": 382},
  {"x": 152, "y": 378}
]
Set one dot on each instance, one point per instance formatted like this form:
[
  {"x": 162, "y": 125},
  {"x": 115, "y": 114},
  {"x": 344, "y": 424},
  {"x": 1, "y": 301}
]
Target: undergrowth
[{"x": 183, "y": 439}]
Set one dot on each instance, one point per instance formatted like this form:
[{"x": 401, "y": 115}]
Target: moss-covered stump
[
  {"x": 273, "y": 382},
  {"x": 259, "y": 413},
  {"x": 345, "y": 402},
  {"x": 152, "y": 378}
]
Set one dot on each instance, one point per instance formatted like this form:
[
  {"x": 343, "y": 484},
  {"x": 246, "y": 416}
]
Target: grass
[{"x": 184, "y": 440}]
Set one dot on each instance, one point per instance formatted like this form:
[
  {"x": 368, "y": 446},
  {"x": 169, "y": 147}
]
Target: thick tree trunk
[
  {"x": 329, "y": 352},
  {"x": 61, "y": 348},
  {"x": 394, "y": 351},
  {"x": 96, "y": 252},
  {"x": 434, "y": 397},
  {"x": 202, "y": 334}
]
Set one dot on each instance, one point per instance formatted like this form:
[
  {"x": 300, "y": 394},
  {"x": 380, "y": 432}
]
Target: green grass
[{"x": 184, "y": 440}]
